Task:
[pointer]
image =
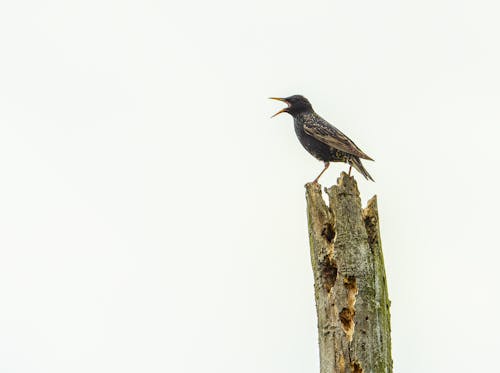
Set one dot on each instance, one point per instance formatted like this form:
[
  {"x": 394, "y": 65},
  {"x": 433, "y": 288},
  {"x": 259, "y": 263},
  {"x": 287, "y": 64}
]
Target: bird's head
[{"x": 296, "y": 104}]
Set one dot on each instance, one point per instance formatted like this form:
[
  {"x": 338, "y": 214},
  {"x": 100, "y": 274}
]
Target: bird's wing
[{"x": 323, "y": 131}]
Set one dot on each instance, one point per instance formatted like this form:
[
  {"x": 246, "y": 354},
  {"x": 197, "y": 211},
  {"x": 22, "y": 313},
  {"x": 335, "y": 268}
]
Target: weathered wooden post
[{"x": 350, "y": 285}]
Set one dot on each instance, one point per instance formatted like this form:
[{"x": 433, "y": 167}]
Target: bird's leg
[
  {"x": 350, "y": 168},
  {"x": 327, "y": 164}
]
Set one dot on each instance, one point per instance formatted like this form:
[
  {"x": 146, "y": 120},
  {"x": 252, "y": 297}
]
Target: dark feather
[
  {"x": 323, "y": 131},
  {"x": 356, "y": 163}
]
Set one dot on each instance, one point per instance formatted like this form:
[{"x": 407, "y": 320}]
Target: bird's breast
[{"x": 316, "y": 148}]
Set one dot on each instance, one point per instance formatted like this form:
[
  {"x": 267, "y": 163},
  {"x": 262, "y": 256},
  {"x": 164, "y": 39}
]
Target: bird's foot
[{"x": 314, "y": 184}]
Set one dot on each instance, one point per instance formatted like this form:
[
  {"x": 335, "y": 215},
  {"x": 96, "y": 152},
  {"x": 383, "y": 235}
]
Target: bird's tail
[{"x": 356, "y": 163}]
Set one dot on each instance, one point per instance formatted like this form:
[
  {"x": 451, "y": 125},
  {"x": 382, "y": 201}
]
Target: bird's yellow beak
[{"x": 282, "y": 110}]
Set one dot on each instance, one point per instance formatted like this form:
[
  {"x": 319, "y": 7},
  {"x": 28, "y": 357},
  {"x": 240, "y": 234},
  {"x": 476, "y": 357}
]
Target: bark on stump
[{"x": 350, "y": 285}]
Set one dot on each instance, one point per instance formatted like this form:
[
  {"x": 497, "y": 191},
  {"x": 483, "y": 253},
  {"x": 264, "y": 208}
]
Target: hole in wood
[
  {"x": 346, "y": 316},
  {"x": 356, "y": 368},
  {"x": 328, "y": 274},
  {"x": 328, "y": 233},
  {"x": 347, "y": 319},
  {"x": 350, "y": 283}
]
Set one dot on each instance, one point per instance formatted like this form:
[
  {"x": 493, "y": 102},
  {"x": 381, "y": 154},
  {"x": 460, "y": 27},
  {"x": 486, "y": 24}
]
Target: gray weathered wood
[{"x": 352, "y": 301}]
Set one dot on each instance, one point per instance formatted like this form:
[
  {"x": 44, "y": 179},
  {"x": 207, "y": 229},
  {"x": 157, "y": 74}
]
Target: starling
[{"x": 320, "y": 138}]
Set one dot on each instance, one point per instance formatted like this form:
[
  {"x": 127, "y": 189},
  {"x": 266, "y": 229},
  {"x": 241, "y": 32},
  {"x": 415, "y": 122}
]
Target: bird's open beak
[{"x": 282, "y": 110}]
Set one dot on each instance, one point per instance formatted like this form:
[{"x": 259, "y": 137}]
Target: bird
[{"x": 321, "y": 139}]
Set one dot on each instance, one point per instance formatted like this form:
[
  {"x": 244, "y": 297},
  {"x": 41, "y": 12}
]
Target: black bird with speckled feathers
[{"x": 320, "y": 138}]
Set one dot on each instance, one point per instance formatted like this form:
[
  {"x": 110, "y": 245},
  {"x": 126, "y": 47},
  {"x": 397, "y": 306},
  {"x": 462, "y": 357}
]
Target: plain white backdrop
[{"x": 153, "y": 216}]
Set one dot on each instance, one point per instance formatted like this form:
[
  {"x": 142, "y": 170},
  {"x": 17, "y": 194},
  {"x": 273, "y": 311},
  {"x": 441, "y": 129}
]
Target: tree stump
[{"x": 350, "y": 285}]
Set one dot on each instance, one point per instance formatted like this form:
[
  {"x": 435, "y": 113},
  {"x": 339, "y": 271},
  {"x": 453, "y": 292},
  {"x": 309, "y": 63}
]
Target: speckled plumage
[{"x": 322, "y": 140}]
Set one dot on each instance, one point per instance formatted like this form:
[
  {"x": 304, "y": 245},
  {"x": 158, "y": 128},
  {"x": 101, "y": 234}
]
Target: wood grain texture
[{"x": 352, "y": 301}]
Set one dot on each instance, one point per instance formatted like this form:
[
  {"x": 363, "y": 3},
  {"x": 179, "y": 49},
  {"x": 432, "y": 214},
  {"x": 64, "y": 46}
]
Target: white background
[{"x": 153, "y": 216}]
